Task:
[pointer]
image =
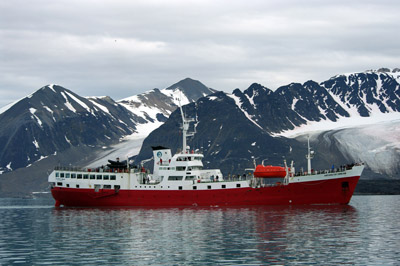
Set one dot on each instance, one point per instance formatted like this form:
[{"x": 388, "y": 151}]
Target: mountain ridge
[
  {"x": 295, "y": 107},
  {"x": 53, "y": 119}
]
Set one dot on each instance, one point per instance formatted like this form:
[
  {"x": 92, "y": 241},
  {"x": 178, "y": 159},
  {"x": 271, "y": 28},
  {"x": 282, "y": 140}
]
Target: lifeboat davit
[{"x": 269, "y": 171}]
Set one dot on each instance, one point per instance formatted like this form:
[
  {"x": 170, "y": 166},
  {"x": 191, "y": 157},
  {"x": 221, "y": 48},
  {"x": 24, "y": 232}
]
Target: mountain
[
  {"x": 55, "y": 126},
  {"x": 340, "y": 115},
  {"x": 157, "y": 105},
  {"x": 53, "y": 119}
]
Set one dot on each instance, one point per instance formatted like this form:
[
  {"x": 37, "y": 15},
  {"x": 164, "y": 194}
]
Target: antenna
[
  {"x": 185, "y": 128},
  {"x": 309, "y": 156}
]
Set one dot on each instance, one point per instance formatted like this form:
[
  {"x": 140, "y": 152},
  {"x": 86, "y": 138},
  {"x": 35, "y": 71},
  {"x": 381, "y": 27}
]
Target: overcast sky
[{"x": 122, "y": 48}]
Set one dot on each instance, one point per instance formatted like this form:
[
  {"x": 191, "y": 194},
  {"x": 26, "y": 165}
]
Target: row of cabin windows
[
  {"x": 182, "y": 168},
  {"x": 95, "y": 186},
  {"x": 177, "y": 178},
  {"x": 86, "y": 176},
  {"x": 189, "y": 158},
  {"x": 167, "y": 168},
  {"x": 209, "y": 186}
]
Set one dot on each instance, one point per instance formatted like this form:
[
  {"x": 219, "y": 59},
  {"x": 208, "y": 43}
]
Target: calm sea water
[{"x": 366, "y": 232}]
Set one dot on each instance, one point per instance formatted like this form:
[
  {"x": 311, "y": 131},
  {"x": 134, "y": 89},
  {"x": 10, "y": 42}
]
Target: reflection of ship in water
[
  {"x": 260, "y": 235},
  {"x": 295, "y": 234}
]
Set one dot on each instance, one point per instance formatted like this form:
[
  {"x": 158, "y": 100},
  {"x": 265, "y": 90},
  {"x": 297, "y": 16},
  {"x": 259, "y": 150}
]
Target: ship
[{"x": 181, "y": 180}]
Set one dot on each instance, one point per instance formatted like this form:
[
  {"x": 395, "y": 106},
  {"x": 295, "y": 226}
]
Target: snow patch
[
  {"x": 251, "y": 99},
  {"x": 41, "y": 158},
  {"x": 67, "y": 103},
  {"x": 35, "y": 143},
  {"x": 294, "y": 103},
  {"x": 143, "y": 111},
  {"x": 237, "y": 101},
  {"x": 122, "y": 122},
  {"x": 101, "y": 107},
  {"x": 33, "y": 110},
  {"x": 51, "y": 87},
  {"x": 79, "y": 102},
  {"x": 48, "y": 109},
  {"x": 176, "y": 95}
]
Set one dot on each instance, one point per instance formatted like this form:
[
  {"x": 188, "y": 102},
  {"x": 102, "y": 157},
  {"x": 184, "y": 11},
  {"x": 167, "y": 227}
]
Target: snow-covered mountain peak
[{"x": 176, "y": 95}]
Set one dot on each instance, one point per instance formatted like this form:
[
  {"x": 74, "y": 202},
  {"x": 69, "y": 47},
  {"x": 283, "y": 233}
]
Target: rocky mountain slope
[
  {"x": 53, "y": 119},
  {"x": 56, "y": 125}
]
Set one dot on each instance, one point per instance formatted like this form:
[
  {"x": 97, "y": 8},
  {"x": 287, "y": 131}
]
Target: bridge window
[
  {"x": 113, "y": 177},
  {"x": 180, "y": 168},
  {"x": 85, "y": 176},
  {"x": 61, "y": 174},
  {"x": 57, "y": 174},
  {"x": 106, "y": 177},
  {"x": 79, "y": 176},
  {"x": 99, "y": 177},
  {"x": 73, "y": 175},
  {"x": 92, "y": 177},
  {"x": 67, "y": 175}
]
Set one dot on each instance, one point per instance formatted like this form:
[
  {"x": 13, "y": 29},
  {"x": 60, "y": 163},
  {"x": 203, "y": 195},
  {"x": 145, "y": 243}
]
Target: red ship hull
[{"x": 332, "y": 191}]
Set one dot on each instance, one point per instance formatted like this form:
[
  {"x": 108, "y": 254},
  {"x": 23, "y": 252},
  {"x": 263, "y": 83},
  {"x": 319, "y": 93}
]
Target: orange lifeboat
[{"x": 269, "y": 171}]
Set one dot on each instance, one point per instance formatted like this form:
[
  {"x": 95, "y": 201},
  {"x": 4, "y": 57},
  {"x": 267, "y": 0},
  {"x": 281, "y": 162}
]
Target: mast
[
  {"x": 309, "y": 156},
  {"x": 185, "y": 128}
]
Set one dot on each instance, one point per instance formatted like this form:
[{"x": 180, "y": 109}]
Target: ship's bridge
[{"x": 193, "y": 158}]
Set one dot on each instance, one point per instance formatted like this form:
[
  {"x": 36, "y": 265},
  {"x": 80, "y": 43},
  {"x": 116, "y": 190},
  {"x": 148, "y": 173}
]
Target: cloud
[{"x": 120, "y": 48}]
